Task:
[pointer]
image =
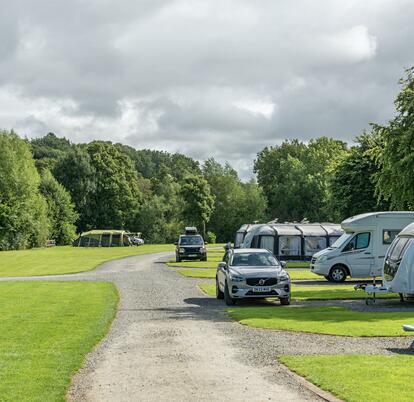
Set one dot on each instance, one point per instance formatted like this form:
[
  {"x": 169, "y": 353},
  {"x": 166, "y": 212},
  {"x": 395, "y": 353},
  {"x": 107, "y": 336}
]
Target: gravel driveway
[{"x": 170, "y": 342}]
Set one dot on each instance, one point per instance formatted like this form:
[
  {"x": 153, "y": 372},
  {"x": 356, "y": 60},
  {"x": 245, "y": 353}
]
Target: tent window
[
  {"x": 115, "y": 240},
  {"x": 84, "y": 241},
  {"x": 314, "y": 244},
  {"x": 268, "y": 243},
  {"x": 105, "y": 240},
  {"x": 239, "y": 239},
  {"x": 289, "y": 245},
  {"x": 94, "y": 240}
]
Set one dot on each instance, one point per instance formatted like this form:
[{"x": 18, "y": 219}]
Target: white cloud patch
[{"x": 208, "y": 77}]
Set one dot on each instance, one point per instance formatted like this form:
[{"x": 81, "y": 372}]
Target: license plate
[
  {"x": 192, "y": 255},
  {"x": 262, "y": 289}
]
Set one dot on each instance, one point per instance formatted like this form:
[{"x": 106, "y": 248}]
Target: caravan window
[
  {"x": 289, "y": 245},
  {"x": 314, "y": 244},
  {"x": 397, "y": 249},
  {"x": 394, "y": 256},
  {"x": 389, "y": 235},
  {"x": 267, "y": 242}
]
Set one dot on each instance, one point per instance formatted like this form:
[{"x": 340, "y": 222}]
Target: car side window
[{"x": 358, "y": 242}]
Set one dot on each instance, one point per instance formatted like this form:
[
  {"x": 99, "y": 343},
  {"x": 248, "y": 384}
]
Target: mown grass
[
  {"x": 307, "y": 293},
  {"x": 215, "y": 256},
  {"x": 324, "y": 320},
  {"x": 66, "y": 260},
  {"x": 358, "y": 378},
  {"x": 211, "y": 273},
  {"x": 47, "y": 328}
]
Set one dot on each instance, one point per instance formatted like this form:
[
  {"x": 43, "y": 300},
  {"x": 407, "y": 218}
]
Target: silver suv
[{"x": 251, "y": 273}]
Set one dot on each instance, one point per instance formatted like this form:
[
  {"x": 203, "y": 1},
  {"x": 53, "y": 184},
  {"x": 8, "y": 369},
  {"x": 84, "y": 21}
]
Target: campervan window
[
  {"x": 267, "y": 242},
  {"x": 358, "y": 242},
  {"x": 332, "y": 240},
  {"x": 314, "y": 244},
  {"x": 289, "y": 245},
  {"x": 342, "y": 240},
  {"x": 388, "y": 235}
]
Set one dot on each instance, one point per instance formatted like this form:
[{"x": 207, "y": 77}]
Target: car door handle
[{"x": 367, "y": 252}]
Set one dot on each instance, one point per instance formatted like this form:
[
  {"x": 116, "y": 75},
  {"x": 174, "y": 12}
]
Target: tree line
[{"x": 51, "y": 188}]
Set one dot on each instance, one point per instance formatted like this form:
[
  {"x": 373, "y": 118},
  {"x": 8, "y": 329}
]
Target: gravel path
[{"x": 171, "y": 342}]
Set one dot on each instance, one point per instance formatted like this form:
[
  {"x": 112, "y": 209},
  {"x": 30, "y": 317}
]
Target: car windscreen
[
  {"x": 342, "y": 240},
  {"x": 191, "y": 240},
  {"x": 254, "y": 260}
]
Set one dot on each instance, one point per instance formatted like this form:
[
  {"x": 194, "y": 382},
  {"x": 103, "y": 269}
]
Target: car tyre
[
  {"x": 337, "y": 274},
  {"x": 285, "y": 301},
  {"x": 204, "y": 259},
  {"x": 219, "y": 293},
  {"x": 177, "y": 258},
  {"x": 227, "y": 298}
]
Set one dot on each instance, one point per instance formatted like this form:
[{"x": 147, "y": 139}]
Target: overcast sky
[{"x": 207, "y": 78}]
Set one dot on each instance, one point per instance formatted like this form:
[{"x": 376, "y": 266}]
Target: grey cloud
[{"x": 172, "y": 74}]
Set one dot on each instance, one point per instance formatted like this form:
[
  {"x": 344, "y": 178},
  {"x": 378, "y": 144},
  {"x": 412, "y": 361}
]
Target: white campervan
[{"x": 360, "y": 251}]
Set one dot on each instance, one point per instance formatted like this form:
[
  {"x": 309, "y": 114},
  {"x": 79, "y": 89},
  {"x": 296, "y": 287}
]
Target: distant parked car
[
  {"x": 251, "y": 273},
  {"x": 137, "y": 241},
  {"x": 190, "y": 247}
]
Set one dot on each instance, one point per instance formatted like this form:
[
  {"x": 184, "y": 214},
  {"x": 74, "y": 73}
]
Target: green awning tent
[{"x": 103, "y": 238}]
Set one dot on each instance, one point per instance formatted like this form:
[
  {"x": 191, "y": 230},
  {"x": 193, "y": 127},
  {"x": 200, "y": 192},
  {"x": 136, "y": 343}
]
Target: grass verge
[
  {"x": 211, "y": 273},
  {"x": 324, "y": 320},
  {"x": 358, "y": 378},
  {"x": 47, "y": 328},
  {"x": 307, "y": 293},
  {"x": 67, "y": 259}
]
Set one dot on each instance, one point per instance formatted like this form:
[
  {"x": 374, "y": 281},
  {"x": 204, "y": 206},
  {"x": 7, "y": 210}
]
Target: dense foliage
[{"x": 51, "y": 188}]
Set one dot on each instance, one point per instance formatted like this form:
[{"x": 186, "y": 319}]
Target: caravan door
[{"x": 358, "y": 254}]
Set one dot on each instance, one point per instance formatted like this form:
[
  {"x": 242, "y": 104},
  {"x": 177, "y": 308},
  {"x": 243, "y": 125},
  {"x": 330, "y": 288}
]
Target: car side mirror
[
  {"x": 222, "y": 265},
  {"x": 206, "y": 242},
  {"x": 283, "y": 264}
]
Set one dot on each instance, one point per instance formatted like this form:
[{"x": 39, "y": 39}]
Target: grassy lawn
[
  {"x": 47, "y": 328},
  {"x": 214, "y": 257},
  {"x": 324, "y": 320},
  {"x": 198, "y": 273},
  {"x": 211, "y": 273},
  {"x": 304, "y": 293},
  {"x": 65, "y": 260},
  {"x": 358, "y": 378}
]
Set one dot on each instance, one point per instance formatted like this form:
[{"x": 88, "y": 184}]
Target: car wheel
[
  {"x": 285, "y": 301},
  {"x": 177, "y": 258},
  {"x": 227, "y": 298},
  {"x": 337, "y": 274},
  {"x": 219, "y": 293},
  {"x": 204, "y": 259}
]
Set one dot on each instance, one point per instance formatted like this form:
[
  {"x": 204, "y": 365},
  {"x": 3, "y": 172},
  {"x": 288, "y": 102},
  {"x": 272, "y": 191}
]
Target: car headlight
[
  {"x": 284, "y": 276},
  {"x": 236, "y": 278},
  {"x": 182, "y": 250},
  {"x": 203, "y": 249},
  {"x": 324, "y": 258}
]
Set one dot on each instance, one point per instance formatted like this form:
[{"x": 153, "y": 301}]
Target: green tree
[
  {"x": 23, "y": 220},
  {"x": 395, "y": 181},
  {"x": 353, "y": 185},
  {"x": 235, "y": 202},
  {"x": 295, "y": 177},
  {"x": 117, "y": 197},
  {"x": 60, "y": 210},
  {"x": 48, "y": 150},
  {"x": 198, "y": 201},
  {"x": 77, "y": 174}
]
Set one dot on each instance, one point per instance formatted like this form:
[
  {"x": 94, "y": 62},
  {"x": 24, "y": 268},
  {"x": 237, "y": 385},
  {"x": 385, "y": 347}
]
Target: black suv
[{"x": 190, "y": 247}]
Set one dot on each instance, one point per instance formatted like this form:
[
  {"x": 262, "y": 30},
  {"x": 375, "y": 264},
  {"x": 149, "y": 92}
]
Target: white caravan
[{"x": 360, "y": 251}]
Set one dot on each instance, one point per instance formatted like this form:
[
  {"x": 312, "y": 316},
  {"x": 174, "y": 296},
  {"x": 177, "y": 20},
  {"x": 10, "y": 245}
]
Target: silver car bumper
[{"x": 240, "y": 290}]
